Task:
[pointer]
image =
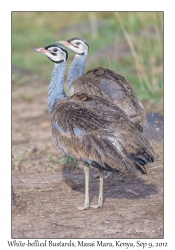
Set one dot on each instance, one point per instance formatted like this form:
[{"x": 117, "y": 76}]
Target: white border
[{"x": 5, "y": 98}]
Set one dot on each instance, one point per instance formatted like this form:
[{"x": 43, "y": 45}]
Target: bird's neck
[
  {"x": 76, "y": 69},
  {"x": 56, "y": 87}
]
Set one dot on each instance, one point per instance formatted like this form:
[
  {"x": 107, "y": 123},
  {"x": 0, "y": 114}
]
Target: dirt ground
[{"x": 48, "y": 186}]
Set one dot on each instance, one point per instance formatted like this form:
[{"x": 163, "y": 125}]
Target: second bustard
[
  {"x": 102, "y": 82},
  {"x": 93, "y": 130}
]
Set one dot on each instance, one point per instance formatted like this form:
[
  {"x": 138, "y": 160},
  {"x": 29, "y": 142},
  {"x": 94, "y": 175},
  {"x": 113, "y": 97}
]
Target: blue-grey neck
[
  {"x": 56, "y": 87},
  {"x": 76, "y": 69}
]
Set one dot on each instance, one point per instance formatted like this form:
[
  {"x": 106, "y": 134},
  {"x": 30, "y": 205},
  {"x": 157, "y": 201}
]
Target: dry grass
[{"x": 147, "y": 53}]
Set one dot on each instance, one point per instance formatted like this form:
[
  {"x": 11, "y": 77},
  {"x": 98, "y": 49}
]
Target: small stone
[{"x": 67, "y": 185}]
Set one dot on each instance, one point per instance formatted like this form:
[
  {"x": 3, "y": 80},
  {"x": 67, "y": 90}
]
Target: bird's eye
[
  {"x": 77, "y": 43},
  {"x": 54, "y": 50}
]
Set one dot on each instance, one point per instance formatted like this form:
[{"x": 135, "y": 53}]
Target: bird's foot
[
  {"x": 83, "y": 208},
  {"x": 97, "y": 206}
]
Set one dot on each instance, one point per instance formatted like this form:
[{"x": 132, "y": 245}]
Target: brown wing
[
  {"x": 97, "y": 132},
  {"x": 89, "y": 85},
  {"x": 113, "y": 87}
]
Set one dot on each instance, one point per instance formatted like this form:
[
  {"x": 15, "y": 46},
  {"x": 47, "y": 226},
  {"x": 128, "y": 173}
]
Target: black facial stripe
[
  {"x": 54, "y": 54},
  {"x": 59, "y": 61},
  {"x": 51, "y": 45},
  {"x": 81, "y": 54},
  {"x": 56, "y": 61}
]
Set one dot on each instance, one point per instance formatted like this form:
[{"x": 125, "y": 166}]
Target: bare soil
[{"x": 47, "y": 191}]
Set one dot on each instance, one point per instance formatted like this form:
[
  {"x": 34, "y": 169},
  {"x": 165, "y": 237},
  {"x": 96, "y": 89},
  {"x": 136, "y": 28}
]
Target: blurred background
[{"x": 130, "y": 43}]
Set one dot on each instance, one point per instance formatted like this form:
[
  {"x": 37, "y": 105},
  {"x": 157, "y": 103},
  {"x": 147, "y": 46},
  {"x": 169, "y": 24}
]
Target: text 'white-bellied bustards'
[
  {"x": 93, "y": 130},
  {"x": 102, "y": 82}
]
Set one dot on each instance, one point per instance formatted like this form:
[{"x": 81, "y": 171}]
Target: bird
[
  {"x": 118, "y": 90},
  {"x": 102, "y": 82},
  {"x": 92, "y": 130}
]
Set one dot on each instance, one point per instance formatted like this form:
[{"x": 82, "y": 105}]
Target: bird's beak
[
  {"x": 42, "y": 50},
  {"x": 65, "y": 43}
]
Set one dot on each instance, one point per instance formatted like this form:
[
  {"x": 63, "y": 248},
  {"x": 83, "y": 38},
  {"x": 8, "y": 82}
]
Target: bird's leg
[
  {"x": 86, "y": 204},
  {"x": 100, "y": 199}
]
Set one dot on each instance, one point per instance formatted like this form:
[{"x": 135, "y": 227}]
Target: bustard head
[
  {"x": 55, "y": 53},
  {"x": 77, "y": 45}
]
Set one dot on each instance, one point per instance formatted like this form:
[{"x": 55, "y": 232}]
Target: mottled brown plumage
[
  {"x": 113, "y": 87},
  {"x": 97, "y": 132}
]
